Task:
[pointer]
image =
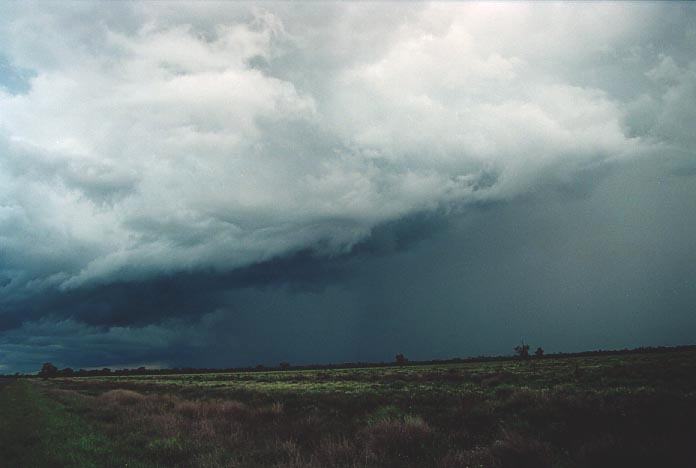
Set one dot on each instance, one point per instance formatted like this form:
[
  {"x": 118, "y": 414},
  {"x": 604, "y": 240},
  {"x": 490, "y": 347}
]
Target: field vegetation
[{"x": 593, "y": 411}]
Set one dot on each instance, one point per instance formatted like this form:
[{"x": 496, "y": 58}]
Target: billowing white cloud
[{"x": 153, "y": 141}]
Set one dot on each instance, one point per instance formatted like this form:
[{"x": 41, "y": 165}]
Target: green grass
[{"x": 37, "y": 431}]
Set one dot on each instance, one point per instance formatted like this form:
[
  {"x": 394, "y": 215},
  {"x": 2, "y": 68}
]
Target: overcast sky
[{"x": 232, "y": 184}]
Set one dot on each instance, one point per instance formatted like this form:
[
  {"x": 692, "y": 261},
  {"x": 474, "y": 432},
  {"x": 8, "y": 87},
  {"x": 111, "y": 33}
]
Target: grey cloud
[
  {"x": 232, "y": 146},
  {"x": 607, "y": 269},
  {"x": 197, "y": 153}
]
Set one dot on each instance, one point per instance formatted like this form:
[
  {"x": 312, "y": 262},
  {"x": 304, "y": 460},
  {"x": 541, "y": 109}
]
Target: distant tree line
[{"x": 49, "y": 370}]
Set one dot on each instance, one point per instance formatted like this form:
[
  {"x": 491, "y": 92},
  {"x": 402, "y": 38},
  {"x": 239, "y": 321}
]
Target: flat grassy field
[{"x": 632, "y": 410}]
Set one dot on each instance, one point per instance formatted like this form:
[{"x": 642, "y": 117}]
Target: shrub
[
  {"x": 399, "y": 439},
  {"x": 514, "y": 450},
  {"x": 170, "y": 450},
  {"x": 336, "y": 452},
  {"x": 385, "y": 412}
]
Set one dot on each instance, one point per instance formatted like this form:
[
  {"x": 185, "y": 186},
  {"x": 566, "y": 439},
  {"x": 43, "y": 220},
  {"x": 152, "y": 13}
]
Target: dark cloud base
[
  {"x": 604, "y": 268},
  {"x": 192, "y": 294}
]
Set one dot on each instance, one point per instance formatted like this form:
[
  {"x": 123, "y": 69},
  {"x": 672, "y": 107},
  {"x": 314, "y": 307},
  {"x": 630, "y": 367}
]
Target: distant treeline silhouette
[{"x": 48, "y": 370}]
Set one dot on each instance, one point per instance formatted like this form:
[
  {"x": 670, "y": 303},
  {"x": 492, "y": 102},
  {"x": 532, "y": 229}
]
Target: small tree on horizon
[
  {"x": 539, "y": 352},
  {"x": 400, "y": 359},
  {"x": 522, "y": 351},
  {"x": 48, "y": 370}
]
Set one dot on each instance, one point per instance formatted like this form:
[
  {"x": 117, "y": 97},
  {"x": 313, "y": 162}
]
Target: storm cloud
[{"x": 239, "y": 176}]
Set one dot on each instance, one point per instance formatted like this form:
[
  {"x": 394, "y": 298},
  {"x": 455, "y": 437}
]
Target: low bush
[
  {"x": 514, "y": 450},
  {"x": 394, "y": 441}
]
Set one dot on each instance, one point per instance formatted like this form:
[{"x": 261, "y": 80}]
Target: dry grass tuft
[
  {"x": 67, "y": 395},
  {"x": 122, "y": 397},
  {"x": 227, "y": 409},
  {"x": 273, "y": 411},
  {"x": 479, "y": 457},
  {"x": 202, "y": 429},
  {"x": 407, "y": 438},
  {"x": 337, "y": 452},
  {"x": 515, "y": 450},
  {"x": 168, "y": 424},
  {"x": 231, "y": 409}
]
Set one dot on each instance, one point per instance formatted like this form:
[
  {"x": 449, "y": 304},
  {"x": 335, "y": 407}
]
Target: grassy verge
[
  {"x": 607, "y": 411},
  {"x": 37, "y": 431}
]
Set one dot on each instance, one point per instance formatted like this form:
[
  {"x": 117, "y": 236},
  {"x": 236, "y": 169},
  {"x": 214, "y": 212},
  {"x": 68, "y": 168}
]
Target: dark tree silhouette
[
  {"x": 522, "y": 351},
  {"x": 539, "y": 352},
  {"x": 48, "y": 370},
  {"x": 284, "y": 365},
  {"x": 400, "y": 359}
]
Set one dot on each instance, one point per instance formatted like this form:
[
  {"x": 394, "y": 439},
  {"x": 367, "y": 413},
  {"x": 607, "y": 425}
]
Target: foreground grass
[
  {"x": 36, "y": 431},
  {"x": 602, "y": 411}
]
